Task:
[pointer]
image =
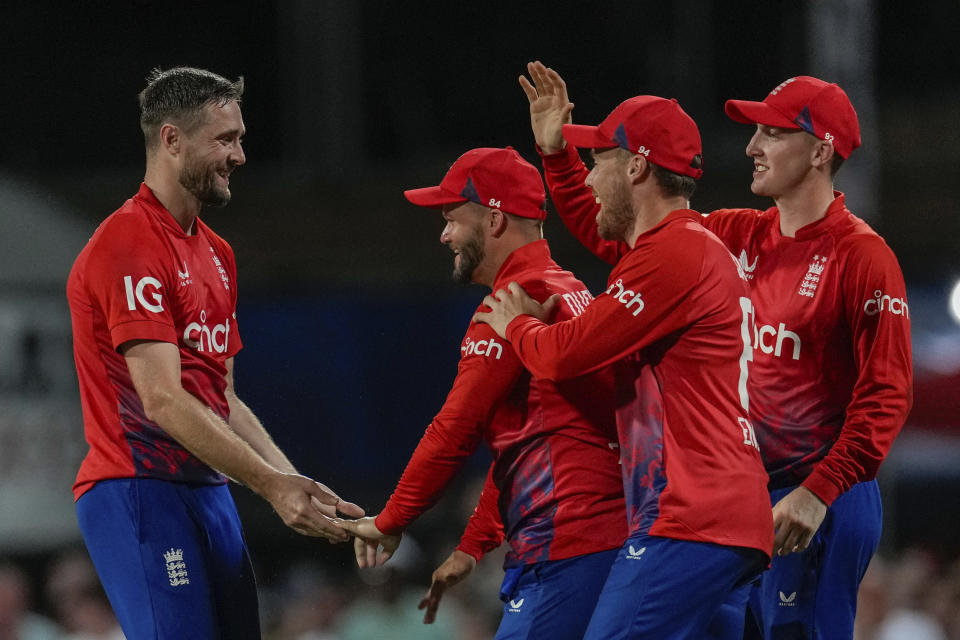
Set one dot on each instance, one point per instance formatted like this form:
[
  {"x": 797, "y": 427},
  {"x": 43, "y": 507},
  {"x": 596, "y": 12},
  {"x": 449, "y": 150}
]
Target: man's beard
[
  {"x": 200, "y": 181},
  {"x": 471, "y": 255},
  {"x": 616, "y": 216}
]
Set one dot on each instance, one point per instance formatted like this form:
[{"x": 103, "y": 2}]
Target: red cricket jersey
[
  {"x": 554, "y": 483},
  {"x": 676, "y": 321},
  {"x": 831, "y": 381},
  {"x": 140, "y": 277}
]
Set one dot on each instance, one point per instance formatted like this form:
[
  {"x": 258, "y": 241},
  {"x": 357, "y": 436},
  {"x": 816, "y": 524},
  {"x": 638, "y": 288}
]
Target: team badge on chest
[{"x": 808, "y": 287}]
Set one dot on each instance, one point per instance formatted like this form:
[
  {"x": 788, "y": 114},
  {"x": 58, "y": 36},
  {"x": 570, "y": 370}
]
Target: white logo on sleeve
[
  {"x": 515, "y": 605},
  {"x": 627, "y": 297},
  {"x": 481, "y": 348},
  {"x": 138, "y": 295},
  {"x": 882, "y": 302},
  {"x": 176, "y": 567},
  {"x": 788, "y": 600}
]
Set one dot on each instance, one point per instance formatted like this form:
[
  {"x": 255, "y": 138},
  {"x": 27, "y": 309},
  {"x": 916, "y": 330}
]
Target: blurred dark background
[{"x": 350, "y": 321}]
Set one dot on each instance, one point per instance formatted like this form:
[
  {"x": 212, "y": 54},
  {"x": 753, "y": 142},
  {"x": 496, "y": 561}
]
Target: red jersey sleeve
[
  {"x": 732, "y": 226},
  {"x": 566, "y": 175},
  {"x": 643, "y": 303},
  {"x": 484, "y": 531},
  {"x": 875, "y": 305},
  {"x": 127, "y": 277},
  {"x": 484, "y": 377}
]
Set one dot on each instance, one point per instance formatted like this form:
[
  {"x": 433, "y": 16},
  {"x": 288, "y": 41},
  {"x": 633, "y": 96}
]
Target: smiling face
[
  {"x": 211, "y": 151},
  {"x": 782, "y": 159},
  {"x": 611, "y": 189},
  {"x": 463, "y": 234}
]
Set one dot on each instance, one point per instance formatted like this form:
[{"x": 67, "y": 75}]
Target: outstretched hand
[
  {"x": 309, "y": 507},
  {"x": 505, "y": 305},
  {"x": 796, "y": 518},
  {"x": 550, "y": 107},
  {"x": 371, "y": 546},
  {"x": 454, "y": 569}
]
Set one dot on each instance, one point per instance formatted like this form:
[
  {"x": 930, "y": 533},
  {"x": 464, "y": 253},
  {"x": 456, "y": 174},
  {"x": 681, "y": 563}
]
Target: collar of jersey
[
  {"x": 819, "y": 227},
  {"x": 676, "y": 214},
  {"x": 531, "y": 255},
  {"x": 148, "y": 200}
]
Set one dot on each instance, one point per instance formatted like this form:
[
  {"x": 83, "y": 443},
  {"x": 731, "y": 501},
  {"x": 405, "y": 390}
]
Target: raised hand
[{"x": 550, "y": 107}]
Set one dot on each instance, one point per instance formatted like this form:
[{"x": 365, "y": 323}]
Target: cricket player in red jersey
[
  {"x": 676, "y": 324},
  {"x": 832, "y": 374},
  {"x": 831, "y": 379},
  {"x": 554, "y": 484},
  {"x": 153, "y": 304}
]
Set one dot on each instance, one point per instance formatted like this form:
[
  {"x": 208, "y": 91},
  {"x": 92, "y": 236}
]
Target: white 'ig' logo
[{"x": 136, "y": 295}]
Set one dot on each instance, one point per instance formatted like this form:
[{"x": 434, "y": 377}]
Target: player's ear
[
  {"x": 170, "y": 138},
  {"x": 498, "y": 223},
  {"x": 637, "y": 168},
  {"x": 821, "y": 155}
]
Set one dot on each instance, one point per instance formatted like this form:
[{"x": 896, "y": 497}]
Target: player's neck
[
  {"x": 497, "y": 253},
  {"x": 651, "y": 212},
  {"x": 182, "y": 205},
  {"x": 803, "y": 205}
]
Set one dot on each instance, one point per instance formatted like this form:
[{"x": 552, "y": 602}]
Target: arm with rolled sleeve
[
  {"x": 883, "y": 393},
  {"x": 481, "y": 384}
]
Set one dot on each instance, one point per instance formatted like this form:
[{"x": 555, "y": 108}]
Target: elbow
[{"x": 157, "y": 404}]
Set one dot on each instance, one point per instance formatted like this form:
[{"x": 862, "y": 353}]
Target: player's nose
[
  {"x": 753, "y": 148},
  {"x": 237, "y": 156}
]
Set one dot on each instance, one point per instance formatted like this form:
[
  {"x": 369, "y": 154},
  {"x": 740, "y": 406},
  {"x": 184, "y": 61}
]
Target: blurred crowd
[
  {"x": 913, "y": 595},
  {"x": 67, "y": 604}
]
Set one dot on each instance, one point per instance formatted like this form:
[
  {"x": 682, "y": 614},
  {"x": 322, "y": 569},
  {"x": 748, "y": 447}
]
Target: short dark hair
[
  {"x": 835, "y": 163},
  {"x": 673, "y": 184},
  {"x": 179, "y": 95}
]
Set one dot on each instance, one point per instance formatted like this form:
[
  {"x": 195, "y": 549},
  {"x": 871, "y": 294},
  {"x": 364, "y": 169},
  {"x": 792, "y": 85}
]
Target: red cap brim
[
  {"x": 749, "y": 112},
  {"x": 586, "y": 137},
  {"x": 432, "y": 197}
]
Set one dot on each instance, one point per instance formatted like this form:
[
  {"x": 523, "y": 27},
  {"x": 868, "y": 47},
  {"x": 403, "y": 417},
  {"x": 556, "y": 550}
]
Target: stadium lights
[{"x": 955, "y": 302}]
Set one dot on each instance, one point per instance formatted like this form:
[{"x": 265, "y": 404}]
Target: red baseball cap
[
  {"x": 819, "y": 108},
  {"x": 497, "y": 178},
  {"x": 649, "y": 125}
]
